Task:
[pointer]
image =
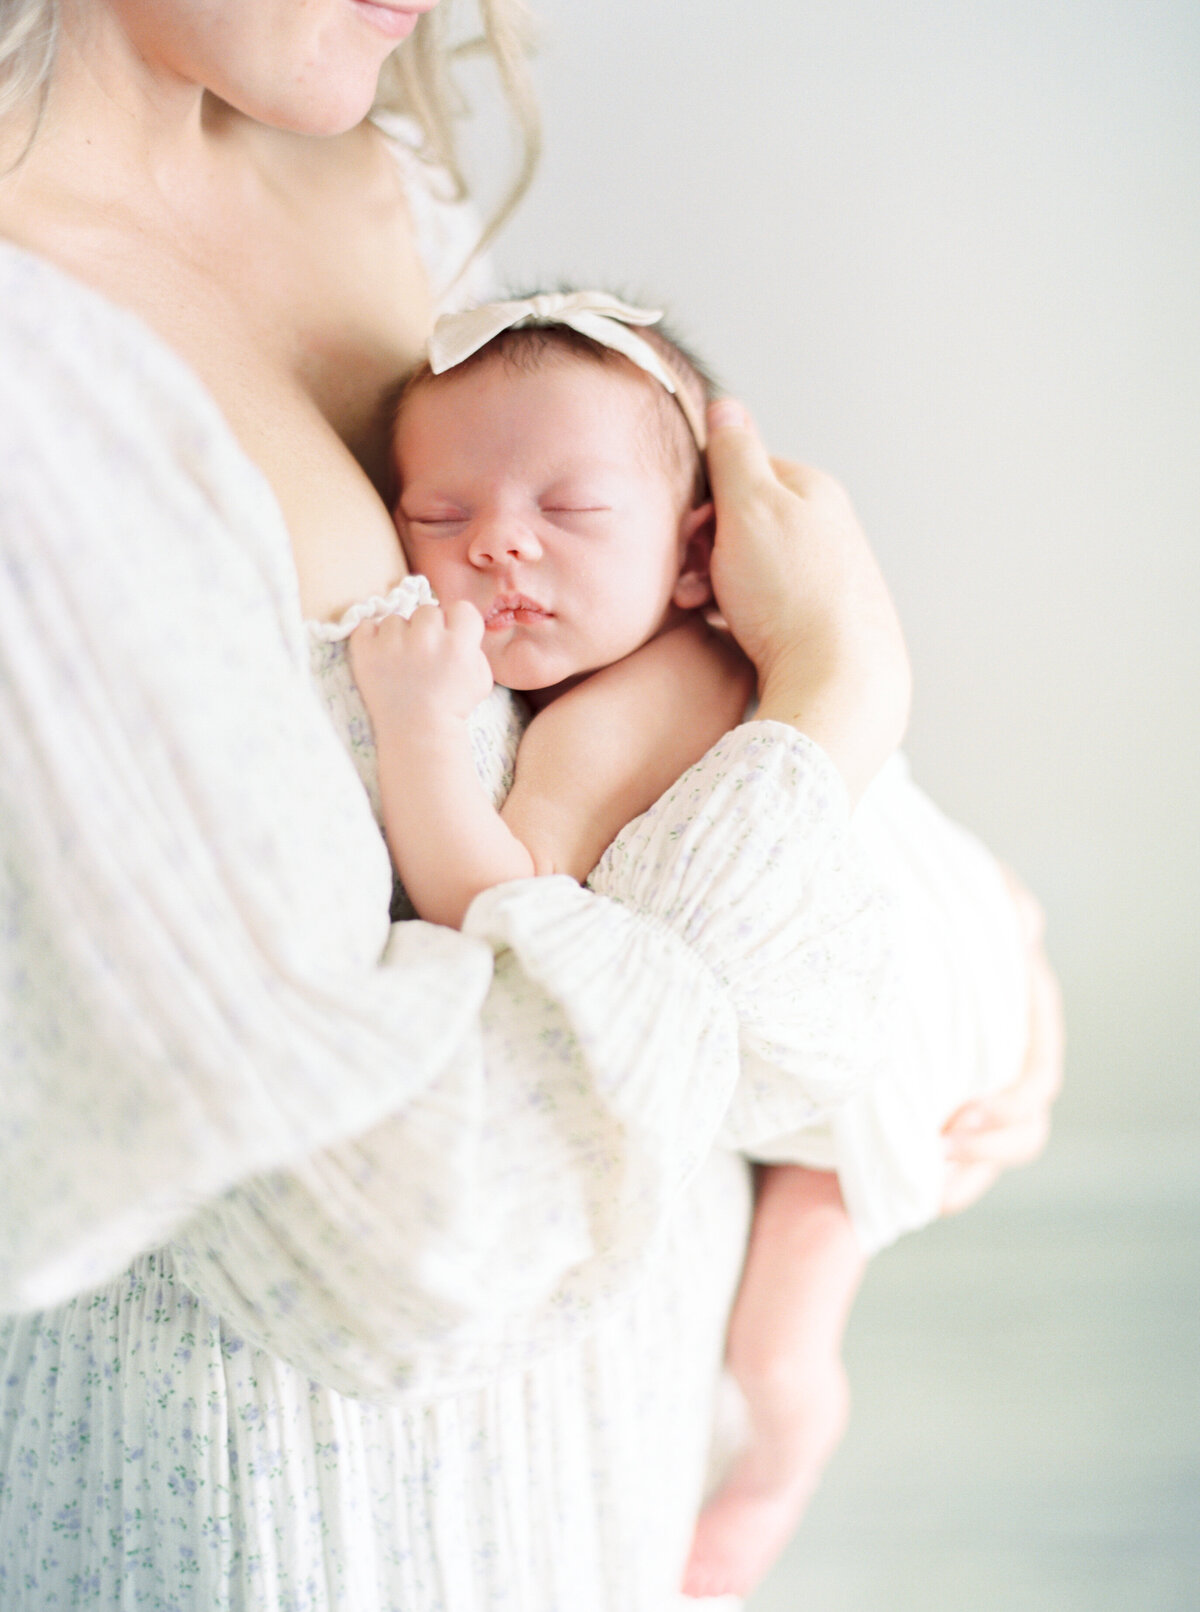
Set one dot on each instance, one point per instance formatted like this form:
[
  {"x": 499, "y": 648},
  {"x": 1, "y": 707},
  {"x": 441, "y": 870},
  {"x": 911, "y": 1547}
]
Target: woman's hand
[
  {"x": 796, "y": 581},
  {"x": 992, "y": 1134}
]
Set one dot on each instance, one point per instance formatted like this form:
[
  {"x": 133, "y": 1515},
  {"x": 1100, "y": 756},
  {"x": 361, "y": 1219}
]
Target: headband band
[{"x": 592, "y": 313}]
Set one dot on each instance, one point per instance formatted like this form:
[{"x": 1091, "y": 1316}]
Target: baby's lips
[{"x": 514, "y": 604}]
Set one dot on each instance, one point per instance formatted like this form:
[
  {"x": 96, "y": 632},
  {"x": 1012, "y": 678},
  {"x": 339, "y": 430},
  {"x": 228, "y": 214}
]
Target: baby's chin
[
  {"x": 520, "y": 668},
  {"x": 538, "y": 677}
]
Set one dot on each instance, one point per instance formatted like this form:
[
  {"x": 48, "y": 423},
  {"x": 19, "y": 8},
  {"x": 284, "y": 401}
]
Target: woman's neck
[
  {"x": 118, "y": 129},
  {"x": 281, "y": 267}
]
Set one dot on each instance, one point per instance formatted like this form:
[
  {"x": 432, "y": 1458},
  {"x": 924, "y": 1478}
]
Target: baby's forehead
[
  {"x": 629, "y": 393},
  {"x": 497, "y": 364}
]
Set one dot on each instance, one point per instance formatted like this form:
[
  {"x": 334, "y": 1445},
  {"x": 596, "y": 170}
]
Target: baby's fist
[{"x": 429, "y": 667}]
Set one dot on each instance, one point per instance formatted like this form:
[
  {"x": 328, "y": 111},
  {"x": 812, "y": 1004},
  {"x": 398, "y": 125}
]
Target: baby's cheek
[{"x": 445, "y": 578}]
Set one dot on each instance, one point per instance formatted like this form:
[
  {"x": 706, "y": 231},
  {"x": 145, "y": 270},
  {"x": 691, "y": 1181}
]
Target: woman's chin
[
  {"x": 327, "y": 98},
  {"x": 321, "y": 115}
]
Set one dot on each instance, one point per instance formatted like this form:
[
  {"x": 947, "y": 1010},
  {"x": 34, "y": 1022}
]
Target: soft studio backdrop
[{"x": 952, "y": 253}]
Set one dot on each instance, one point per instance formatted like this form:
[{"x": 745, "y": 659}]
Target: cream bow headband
[{"x": 592, "y": 313}]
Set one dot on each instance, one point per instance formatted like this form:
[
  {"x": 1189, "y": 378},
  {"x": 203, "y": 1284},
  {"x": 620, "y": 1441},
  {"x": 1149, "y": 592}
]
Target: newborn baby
[{"x": 552, "y": 489}]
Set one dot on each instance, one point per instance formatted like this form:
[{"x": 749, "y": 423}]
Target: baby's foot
[{"x": 749, "y": 1520}]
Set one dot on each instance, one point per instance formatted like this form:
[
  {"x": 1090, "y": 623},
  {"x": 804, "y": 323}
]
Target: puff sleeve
[{"x": 960, "y": 1024}]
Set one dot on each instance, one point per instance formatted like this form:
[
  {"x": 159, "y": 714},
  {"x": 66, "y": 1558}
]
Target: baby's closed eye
[
  {"x": 434, "y": 523},
  {"x": 576, "y": 517}
]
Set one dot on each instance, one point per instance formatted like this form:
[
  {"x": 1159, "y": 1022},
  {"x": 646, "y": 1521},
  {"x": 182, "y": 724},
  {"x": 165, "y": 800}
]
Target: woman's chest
[
  {"x": 326, "y": 473},
  {"x": 305, "y": 378},
  {"x": 300, "y": 302}
]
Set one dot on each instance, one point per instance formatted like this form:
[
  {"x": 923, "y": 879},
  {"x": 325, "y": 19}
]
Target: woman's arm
[
  {"x": 977, "y": 1034},
  {"x": 977, "y": 1014}
]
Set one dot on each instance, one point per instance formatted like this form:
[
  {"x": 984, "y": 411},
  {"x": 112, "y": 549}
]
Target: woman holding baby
[{"x": 348, "y": 1264}]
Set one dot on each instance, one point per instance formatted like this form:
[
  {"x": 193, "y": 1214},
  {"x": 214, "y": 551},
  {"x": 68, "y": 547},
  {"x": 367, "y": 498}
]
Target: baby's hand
[{"x": 423, "y": 670}]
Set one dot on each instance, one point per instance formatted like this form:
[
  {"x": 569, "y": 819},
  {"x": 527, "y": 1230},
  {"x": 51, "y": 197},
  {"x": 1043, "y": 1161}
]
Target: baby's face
[{"x": 540, "y": 497}]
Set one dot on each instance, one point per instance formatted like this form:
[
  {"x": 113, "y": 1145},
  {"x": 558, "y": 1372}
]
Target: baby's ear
[{"x": 696, "y": 533}]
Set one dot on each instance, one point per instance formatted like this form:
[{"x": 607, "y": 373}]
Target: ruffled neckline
[{"x": 402, "y": 600}]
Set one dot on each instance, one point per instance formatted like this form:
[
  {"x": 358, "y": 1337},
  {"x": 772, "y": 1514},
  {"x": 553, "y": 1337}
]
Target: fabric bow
[{"x": 592, "y": 313}]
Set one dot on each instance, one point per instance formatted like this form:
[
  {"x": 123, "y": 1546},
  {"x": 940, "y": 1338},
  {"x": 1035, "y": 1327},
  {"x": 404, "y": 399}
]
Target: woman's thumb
[{"x": 736, "y": 455}]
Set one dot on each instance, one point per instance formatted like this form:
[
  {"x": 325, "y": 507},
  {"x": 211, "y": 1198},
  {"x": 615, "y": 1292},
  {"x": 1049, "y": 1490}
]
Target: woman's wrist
[{"x": 839, "y": 711}]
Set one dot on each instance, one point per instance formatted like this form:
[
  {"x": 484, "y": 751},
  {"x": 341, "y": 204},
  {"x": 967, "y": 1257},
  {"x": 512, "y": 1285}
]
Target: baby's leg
[{"x": 803, "y": 1267}]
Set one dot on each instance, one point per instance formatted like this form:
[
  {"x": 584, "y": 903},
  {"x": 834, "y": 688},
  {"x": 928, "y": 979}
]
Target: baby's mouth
[{"x": 514, "y": 609}]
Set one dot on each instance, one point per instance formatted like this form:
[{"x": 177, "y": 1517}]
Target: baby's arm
[
  {"x": 590, "y": 762},
  {"x": 603, "y": 752},
  {"x": 420, "y": 680}
]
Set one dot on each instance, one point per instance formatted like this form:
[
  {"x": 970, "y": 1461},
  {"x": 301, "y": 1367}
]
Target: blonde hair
[
  {"x": 417, "y": 79},
  {"x": 28, "y": 35}
]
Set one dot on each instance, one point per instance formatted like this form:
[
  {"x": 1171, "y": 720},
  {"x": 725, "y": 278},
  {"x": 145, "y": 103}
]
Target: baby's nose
[{"x": 502, "y": 540}]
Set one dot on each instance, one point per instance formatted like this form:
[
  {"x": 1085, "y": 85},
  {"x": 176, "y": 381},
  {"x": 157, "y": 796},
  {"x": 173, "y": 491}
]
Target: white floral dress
[{"x": 374, "y": 1266}]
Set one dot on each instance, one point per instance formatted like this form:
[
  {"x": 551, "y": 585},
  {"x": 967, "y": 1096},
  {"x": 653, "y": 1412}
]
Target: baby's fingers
[
  {"x": 464, "y": 621},
  {"x": 425, "y": 627},
  {"x": 364, "y": 645}
]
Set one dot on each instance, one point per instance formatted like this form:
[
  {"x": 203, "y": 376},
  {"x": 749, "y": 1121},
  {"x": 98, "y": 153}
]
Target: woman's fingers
[
  {"x": 1029, "y": 909},
  {"x": 966, "y": 1184},
  {"x": 1003, "y": 1142},
  {"x": 1012, "y": 1126},
  {"x": 991, "y": 1135},
  {"x": 1040, "y": 1080},
  {"x": 794, "y": 576},
  {"x": 740, "y": 467},
  {"x": 736, "y": 455}
]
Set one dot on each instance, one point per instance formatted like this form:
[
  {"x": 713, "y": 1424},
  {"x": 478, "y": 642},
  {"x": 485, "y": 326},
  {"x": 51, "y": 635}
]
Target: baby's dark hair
[{"x": 523, "y": 350}]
